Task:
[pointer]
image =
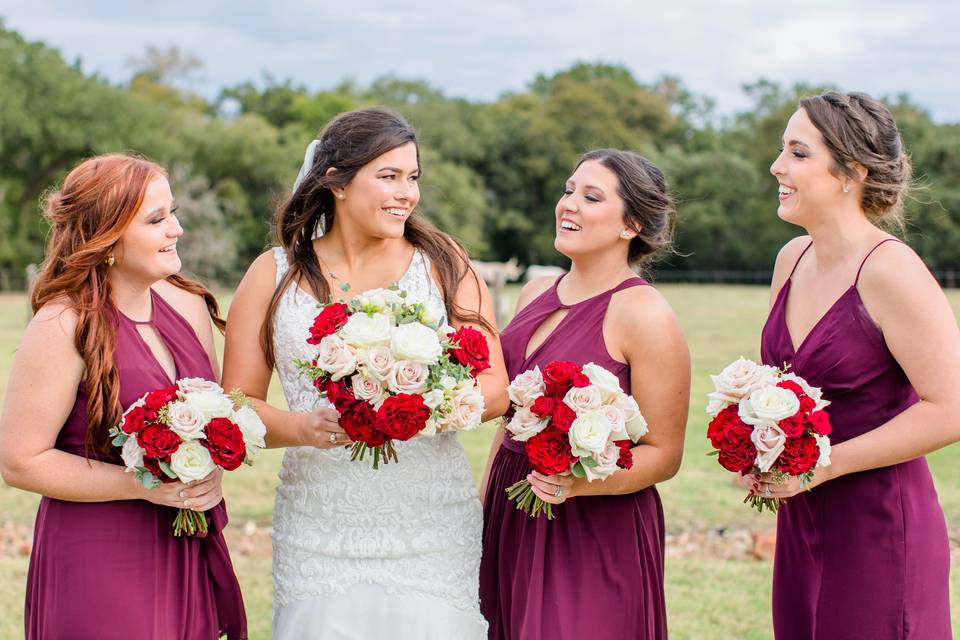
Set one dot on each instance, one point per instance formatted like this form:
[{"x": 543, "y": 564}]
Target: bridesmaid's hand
[
  {"x": 766, "y": 487},
  {"x": 321, "y": 428},
  {"x": 200, "y": 495},
  {"x": 546, "y": 487}
]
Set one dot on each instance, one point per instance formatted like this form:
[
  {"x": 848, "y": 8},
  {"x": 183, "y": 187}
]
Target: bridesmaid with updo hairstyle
[
  {"x": 596, "y": 570},
  {"x": 862, "y": 550}
]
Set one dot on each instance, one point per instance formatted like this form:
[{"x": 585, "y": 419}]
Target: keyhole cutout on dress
[
  {"x": 543, "y": 332},
  {"x": 151, "y": 337}
]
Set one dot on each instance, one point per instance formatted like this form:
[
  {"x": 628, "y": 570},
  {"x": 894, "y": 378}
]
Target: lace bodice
[{"x": 411, "y": 527}]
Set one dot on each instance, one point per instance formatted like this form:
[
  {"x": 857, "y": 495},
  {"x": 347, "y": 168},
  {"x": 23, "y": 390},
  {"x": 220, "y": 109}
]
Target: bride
[{"x": 358, "y": 552}]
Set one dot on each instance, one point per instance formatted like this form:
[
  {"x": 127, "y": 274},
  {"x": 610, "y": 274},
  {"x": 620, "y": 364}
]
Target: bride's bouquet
[
  {"x": 393, "y": 373},
  {"x": 184, "y": 432},
  {"x": 768, "y": 420},
  {"x": 571, "y": 419}
]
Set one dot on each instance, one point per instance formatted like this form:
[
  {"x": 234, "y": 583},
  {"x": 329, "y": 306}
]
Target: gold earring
[{"x": 111, "y": 260}]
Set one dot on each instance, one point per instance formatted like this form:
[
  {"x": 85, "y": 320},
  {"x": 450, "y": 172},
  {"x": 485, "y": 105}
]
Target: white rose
[
  {"x": 815, "y": 393},
  {"x": 589, "y": 434},
  {"x": 606, "y": 463},
  {"x": 336, "y": 357},
  {"x": 380, "y": 298},
  {"x": 251, "y": 426},
  {"x": 770, "y": 441},
  {"x": 210, "y": 404},
  {"x": 582, "y": 399},
  {"x": 768, "y": 404},
  {"x": 737, "y": 381},
  {"x": 362, "y": 330},
  {"x": 408, "y": 377},
  {"x": 367, "y": 388},
  {"x": 618, "y": 425},
  {"x": 467, "y": 409},
  {"x": 431, "y": 316},
  {"x": 377, "y": 361},
  {"x": 635, "y": 423},
  {"x": 191, "y": 461},
  {"x": 824, "y": 443},
  {"x": 525, "y": 424},
  {"x": 186, "y": 421},
  {"x": 526, "y": 387},
  {"x": 132, "y": 453},
  {"x": 417, "y": 342},
  {"x": 188, "y": 385},
  {"x": 434, "y": 398},
  {"x": 602, "y": 379},
  {"x": 448, "y": 382}
]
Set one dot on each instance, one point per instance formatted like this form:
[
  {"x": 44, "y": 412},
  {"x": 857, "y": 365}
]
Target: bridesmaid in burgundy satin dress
[
  {"x": 596, "y": 570},
  {"x": 113, "y": 321},
  {"x": 864, "y": 553}
]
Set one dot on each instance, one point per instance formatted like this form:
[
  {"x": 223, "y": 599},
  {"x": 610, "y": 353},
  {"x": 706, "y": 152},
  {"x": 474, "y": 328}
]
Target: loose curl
[
  {"x": 648, "y": 209},
  {"x": 350, "y": 141},
  {"x": 859, "y": 129},
  {"x": 88, "y": 216}
]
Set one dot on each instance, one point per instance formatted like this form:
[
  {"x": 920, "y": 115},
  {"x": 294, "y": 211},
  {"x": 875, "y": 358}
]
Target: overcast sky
[{"x": 479, "y": 50}]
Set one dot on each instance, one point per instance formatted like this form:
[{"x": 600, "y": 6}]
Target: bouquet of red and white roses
[
  {"x": 768, "y": 420},
  {"x": 184, "y": 432},
  {"x": 571, "y": 419},
  {"x": 393, "y": 373}
]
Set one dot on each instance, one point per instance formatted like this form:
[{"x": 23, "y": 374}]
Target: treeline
[{"x": 492, "y": 171}]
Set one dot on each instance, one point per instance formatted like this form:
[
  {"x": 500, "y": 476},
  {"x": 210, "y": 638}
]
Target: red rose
[
  {"x": 543, "y": 406},
  {"x": 158, "y": 441},
  {"x": 792, "y": 386},
  {"x": 721, "y": 422},
  {"x": 580, "y": 380},
  {"x": 153, "y": 467},
  {"x": 134, "y": 421},
  {"x": 793, "y": 426},
  {"x": 473, "y": 350},
  {"x": 402, "y": 416},
  {"x": 558, "y": 377},
  {"x": 799, "y": 455},
  {"x": 820, "y": 423},
  {"x": 549, "y": 452},
  {"x": 807, "y": 404},
  {"x": 156, "y": 399},
  {"x": 737, "y": 451},
  {"x": 358, "y": 418},
  {"x": 328, "y": 321},
  {"x": 337, "y": 392},
  {"x": 563, "y": 417},
  {"x": 224, "y": 441},
  {"x": 626, "y": 455}
]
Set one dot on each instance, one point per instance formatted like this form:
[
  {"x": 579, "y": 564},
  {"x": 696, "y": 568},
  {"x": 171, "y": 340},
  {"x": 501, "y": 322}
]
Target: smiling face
[
  {"x": 147, "y": 250},
  {"x": 807, "y": 185},
  {"x": 383, "y": 193},
  {"x": 589, "y": 215}
]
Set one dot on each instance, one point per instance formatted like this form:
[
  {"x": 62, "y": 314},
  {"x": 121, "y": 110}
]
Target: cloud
[{"x": 480, "y": 50}]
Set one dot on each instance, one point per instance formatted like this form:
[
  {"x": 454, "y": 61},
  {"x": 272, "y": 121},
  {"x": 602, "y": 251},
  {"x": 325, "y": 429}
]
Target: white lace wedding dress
[{"x": 363, "y": 553}]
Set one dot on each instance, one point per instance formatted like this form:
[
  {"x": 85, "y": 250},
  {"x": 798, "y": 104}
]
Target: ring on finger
[
  {"x": 766, "y": 490},
  {"x": 332, "y": 438},
  {"x": 557, "y": 492}
]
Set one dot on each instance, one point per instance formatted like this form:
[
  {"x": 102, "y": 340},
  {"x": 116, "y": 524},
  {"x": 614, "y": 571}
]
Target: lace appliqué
[{"x": 414, "y": 526}]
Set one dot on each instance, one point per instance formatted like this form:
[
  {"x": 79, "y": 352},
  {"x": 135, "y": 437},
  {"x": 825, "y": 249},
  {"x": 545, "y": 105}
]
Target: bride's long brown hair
[
  {"x": 350, "y": 141},
  {"x": 88, "y": 216}
]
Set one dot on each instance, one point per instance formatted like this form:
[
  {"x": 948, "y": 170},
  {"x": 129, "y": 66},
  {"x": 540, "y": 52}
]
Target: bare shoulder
[
  {"x": 640, "y": 309},
  {"x": 532, "y": 289},
  {"x": 56, "y": 319},
  {"x": 895, "y": 271},
  {"x": 789, "y": 254}
]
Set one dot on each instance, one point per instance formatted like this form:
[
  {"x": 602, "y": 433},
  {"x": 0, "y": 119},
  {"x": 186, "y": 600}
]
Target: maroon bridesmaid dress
[
  {"x": 114, "y": 570},
  {"x": 596, "y": 570},
  {"x": 865, "y": 556}
]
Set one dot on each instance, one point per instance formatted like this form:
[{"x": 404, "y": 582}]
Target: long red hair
[{"x": 88, "y": 216}]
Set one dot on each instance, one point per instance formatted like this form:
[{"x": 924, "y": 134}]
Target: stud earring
[
  {"x": 846, "y": 188},
  {"x": 625, "y": 234}
]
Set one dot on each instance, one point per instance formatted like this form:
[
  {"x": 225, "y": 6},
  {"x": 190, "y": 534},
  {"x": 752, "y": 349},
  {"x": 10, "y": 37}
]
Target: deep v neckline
[{"x": 785, "y": 294}]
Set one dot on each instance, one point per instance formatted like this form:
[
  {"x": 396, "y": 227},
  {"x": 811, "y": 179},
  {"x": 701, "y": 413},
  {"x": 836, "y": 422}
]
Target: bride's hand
[{"x": 320, "y": 428}]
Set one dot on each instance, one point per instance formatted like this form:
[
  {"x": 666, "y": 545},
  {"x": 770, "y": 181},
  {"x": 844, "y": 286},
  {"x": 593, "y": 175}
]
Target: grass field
[{"x": 708, "y": 595}]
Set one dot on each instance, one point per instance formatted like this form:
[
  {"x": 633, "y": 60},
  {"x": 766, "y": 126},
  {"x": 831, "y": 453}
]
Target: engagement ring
[
  {"x": 333, "y": 438},
  {"x": 556, "y": 494}
]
